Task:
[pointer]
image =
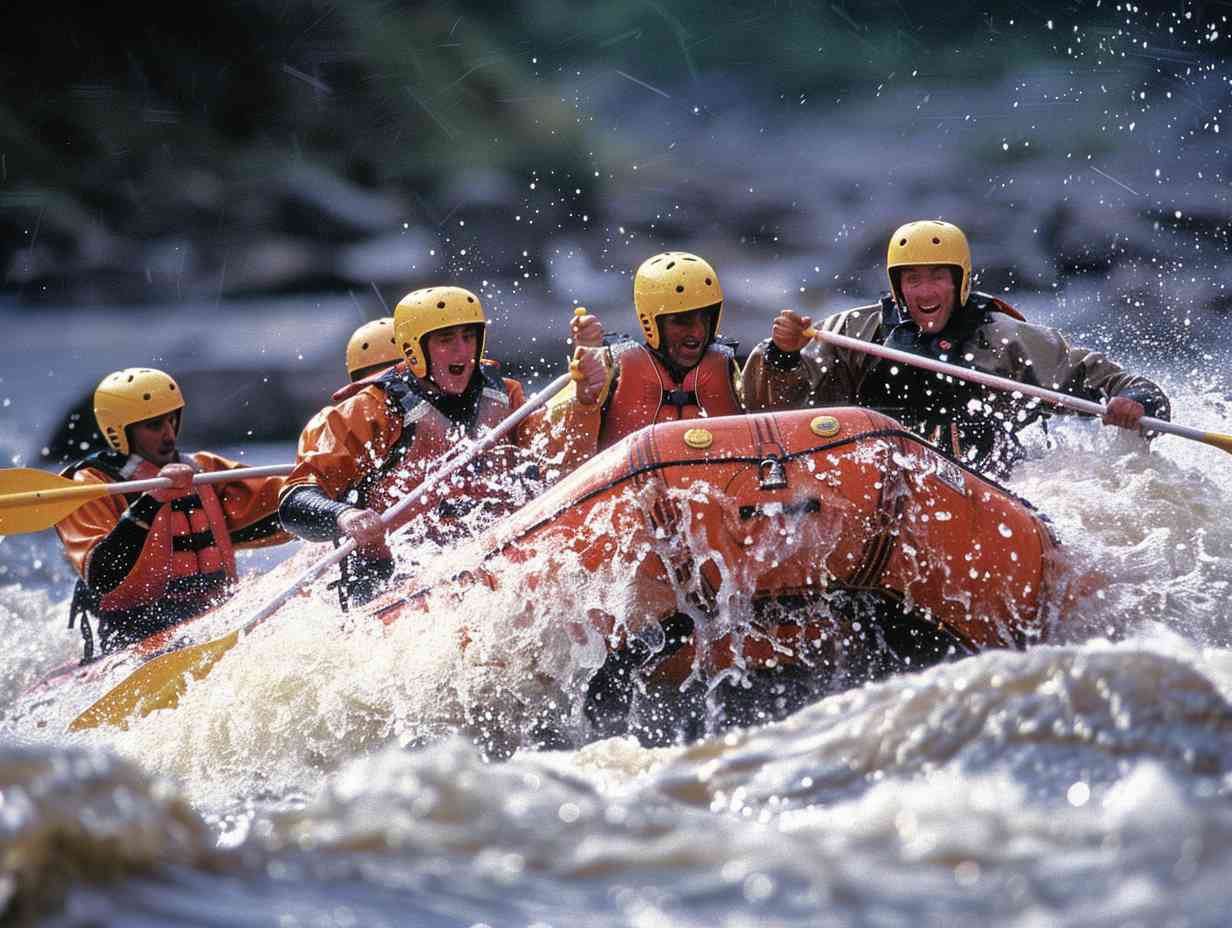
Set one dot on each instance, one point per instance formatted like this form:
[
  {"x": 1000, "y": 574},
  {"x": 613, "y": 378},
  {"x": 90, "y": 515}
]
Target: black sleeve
[
  {"x": 263, "y": 528},
  {"x": 308, "y": 513},
  {"x": 1152, "y": 398},
  {"x": 611, "y": 392},
  {"x": 114, "y": 557},
  {"x": 781, "y": 360}
]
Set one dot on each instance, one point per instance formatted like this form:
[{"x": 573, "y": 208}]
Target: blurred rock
[
  {"x": 397, "y": 259},
  {"x": 324, "y": 197},
  {"x": 274, "y": 265}
]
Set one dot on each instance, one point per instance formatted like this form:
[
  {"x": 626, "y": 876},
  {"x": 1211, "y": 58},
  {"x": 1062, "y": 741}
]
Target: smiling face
[
  {"x": 685, "y": 336},
  {"x": 452, "y": 356},
  {"x": 930, "y": 295},
  {"x": 154, "y": 439}
]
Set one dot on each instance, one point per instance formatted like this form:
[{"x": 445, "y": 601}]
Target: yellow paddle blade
[
  {"x": 32, "y": 500},
  {"x": 1219, "y": 440},
  {"x": 157, "y": 684}
]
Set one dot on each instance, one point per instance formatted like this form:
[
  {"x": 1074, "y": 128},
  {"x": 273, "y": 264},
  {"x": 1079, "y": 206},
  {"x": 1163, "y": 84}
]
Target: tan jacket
[{"x": 822, "y": 375}]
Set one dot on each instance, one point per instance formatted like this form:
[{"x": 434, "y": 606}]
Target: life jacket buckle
[{"x": 771, "y": 474}]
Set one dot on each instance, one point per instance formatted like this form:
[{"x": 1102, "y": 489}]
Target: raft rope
[{"x": 646, "y": 465}]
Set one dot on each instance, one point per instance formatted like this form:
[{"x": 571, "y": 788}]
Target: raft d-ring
[{"x": 771, "y": 475}]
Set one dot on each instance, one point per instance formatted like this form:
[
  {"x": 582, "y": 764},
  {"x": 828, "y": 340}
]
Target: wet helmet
[
  {"x": 131, "y": 396},
  {"x": 674, "y": 282},
  {"x": 930, "y": 242},
  {"x": 429, "y": 310},
  {"x": 373, "y": 343}
]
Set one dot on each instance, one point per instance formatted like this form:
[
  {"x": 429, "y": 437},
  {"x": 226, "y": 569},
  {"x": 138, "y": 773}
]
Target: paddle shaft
[
  {"x": 999, "y": 383},
  {"x": 92, "y": 490},
  {"x": 452, "y": 467}
]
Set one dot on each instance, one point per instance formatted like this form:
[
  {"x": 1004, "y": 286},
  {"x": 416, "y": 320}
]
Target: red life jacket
[{"x": 647, "y": 393}]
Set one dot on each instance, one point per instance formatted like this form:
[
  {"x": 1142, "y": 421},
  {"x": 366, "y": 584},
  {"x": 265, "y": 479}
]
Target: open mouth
[{"x": 457, "y": 370}]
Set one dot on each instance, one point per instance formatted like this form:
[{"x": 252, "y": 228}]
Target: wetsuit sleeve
[
  {"x": 250, "y": 506},
  {"x": 103, "y": 539},
  {"x": 343, "y": 443},
  {"x": 310, "y": 514}
]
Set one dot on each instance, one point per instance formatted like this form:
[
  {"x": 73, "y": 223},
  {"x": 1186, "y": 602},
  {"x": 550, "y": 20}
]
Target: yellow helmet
[
  {"x": 130, "y": 396},
  {"x": 429, "y": 310},
  {"x": 674, "y": 282},
  {"x": 930, "y": 242},
  {"x": 373, "y": 343}
]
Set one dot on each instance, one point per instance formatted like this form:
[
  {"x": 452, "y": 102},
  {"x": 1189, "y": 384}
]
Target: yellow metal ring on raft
[
  {"x": 698, "y": 438},
  {"x": 825, "y": 426}
]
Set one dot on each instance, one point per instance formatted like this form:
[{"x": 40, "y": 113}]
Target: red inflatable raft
[{"x": 775, "y": 537}]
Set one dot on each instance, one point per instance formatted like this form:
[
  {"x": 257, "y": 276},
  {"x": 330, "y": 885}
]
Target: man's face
[
  {"x": 930, "y": 295},
  {"x": 684, "y": 337},
  {"x": 154, "y": 439},
  {"x": 452, "y": 356}
]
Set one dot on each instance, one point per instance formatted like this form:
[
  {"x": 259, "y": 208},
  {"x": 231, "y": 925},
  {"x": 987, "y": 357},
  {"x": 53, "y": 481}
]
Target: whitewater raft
[
  {"x": 769, "y": 540},
  {"x": 760, "y": 542}
]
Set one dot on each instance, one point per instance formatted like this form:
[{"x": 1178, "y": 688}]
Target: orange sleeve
[
  {"x": 564, "y": 432},
  {"x": 250, "y": 506},
  {"x": 342, "y": 443},
  {"x": 89, "y": 524},
  {"x": 517, "y": 399}
]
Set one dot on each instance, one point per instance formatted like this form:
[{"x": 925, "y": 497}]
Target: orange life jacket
[
  {"x": 188, "y": 551},
  {"x": 427, "y": 434},
  {"x": 647, "y": 393},
  {"x": 185, "y": 564}
]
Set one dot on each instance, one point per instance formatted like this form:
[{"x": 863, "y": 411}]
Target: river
[{"x": 326, "y": 774}]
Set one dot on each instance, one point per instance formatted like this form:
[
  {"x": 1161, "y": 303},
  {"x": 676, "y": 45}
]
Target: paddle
[
  {"x": 32, "y": 500},
  {"x": 159, "y": 683},
  {"x": 1216, "y": 439}
]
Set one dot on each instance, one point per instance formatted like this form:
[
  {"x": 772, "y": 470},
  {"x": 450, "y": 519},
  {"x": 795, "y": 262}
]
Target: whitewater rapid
[{"x": 325, "y": 773}]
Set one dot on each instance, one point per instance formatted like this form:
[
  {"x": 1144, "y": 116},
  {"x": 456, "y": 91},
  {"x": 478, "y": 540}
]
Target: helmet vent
[
  {"x": 470, "y": 299},
  {"x": 936, "y": 241},
  {"x": 679, "y": 289},
  {"x": 130, "y": 378},
  {"x": 708, "y": 282},
  {"x": 145, "y": 396},
  {"x": 364, "y": 346},
  {"x": 440, "y": 305},
  {"x": 902, "y": 242},
  {"x": 171, "y": 387},
  {"x": 670, "y": 265}
]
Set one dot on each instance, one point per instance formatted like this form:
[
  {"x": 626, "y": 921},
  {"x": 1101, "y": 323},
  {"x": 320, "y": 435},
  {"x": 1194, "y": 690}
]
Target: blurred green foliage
[{"x": 144, "y": 120}]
